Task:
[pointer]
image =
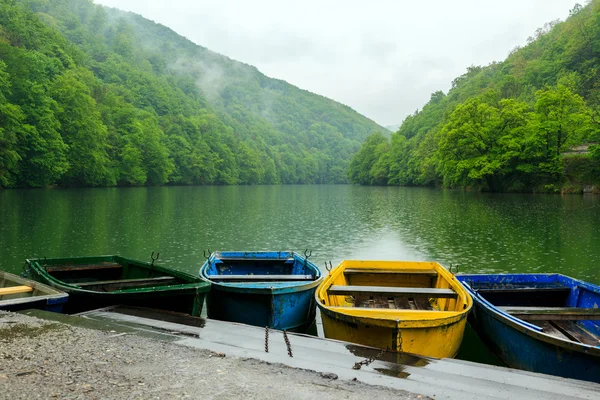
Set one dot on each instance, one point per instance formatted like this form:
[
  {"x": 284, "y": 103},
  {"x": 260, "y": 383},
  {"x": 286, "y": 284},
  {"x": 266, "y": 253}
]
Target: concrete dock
[{"x": 405, "y": 375}]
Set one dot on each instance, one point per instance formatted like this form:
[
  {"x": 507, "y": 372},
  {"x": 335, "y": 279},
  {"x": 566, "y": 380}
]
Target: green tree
[
  {"x": 562, "y": 117},
  {"x": 82, "y": 130},
  {"x": 11, "y": 125},
  {"x": 482, "y": 141},
  {"x": 363, "y": 162}
]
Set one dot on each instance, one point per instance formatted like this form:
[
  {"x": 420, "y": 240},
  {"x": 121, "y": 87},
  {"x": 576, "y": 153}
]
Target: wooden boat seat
[
  {"x": 15, "y": 289},
  {"x": 392, "y": 291},
  {"x": 84, "y": 267},
  {"x": 160, "y": 280},
  {"x": 427, "y": 272},
  {"x": 553, "y": 313},
  {"x": 246, "y": 260},
  {"x": 517, "y": 289},
  {"x": 256, "y": 278}
]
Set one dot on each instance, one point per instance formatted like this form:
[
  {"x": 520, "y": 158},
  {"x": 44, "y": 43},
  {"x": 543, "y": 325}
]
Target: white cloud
[{"x": 381, "y": 57}]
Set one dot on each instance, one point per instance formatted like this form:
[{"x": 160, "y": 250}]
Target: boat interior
[
  {"x": 419, "y": 286},
  {"x": 559, "y": 306},
  {"x": 107, "y": 275},
  {"x": 14, "y": 287},
  {"x": 230, "y": 268}
]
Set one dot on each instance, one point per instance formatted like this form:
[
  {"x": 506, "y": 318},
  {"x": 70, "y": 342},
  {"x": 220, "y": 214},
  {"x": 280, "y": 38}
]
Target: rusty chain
[
  {"x": 285, "y": 338},
  {"x": 267, "y": 339},
  {"x": 287, "y": 343},
  {"x": 367, "y": 361}
]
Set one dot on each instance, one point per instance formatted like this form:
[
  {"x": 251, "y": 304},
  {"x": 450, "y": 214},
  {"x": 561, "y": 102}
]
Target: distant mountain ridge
[{"x": 159, "y": 108}]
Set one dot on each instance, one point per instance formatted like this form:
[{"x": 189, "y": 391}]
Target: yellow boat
[{"x": 414, "y": 307}]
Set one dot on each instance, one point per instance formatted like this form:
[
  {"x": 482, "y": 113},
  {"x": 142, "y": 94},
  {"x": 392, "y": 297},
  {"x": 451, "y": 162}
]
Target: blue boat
[
  {"x": 546, "y": 323},
  {"x": 274, "y": 289}
]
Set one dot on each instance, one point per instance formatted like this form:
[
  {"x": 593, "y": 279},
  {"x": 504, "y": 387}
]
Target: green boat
[{"x": 97, "y": 282}]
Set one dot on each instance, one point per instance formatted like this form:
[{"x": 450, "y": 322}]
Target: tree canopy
[
  {"x": 93, "y": 96},
  {"x": 508, "y": 126}
]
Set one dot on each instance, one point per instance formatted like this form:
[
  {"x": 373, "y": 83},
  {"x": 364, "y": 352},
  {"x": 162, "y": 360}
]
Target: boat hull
[
  {"x": 377, "y": 303},
  {"x": 283, "y": 305},
  {"x": 519, "y": 346},
  {"x": 185, "y": 298},
  {"x": 438, "y": 339},
  {"x": 293, "y": 311},
  {"x": 518, "y": 349}
]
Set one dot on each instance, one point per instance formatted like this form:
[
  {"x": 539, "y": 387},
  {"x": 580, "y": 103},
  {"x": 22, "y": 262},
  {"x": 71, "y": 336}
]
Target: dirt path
[{"x": 41, "y": 359}]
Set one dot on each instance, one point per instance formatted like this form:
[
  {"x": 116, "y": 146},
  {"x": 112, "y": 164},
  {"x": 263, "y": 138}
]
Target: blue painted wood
[
  {"x": 288, "y": 305},
  {"x": 524, "y": 345}
]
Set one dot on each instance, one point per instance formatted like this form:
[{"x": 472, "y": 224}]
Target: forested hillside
[
  {"x": 531, "y": 122},
  {"x": 91, "y": 96}
]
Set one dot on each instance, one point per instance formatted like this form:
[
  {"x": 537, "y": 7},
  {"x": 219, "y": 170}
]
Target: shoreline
[{"x": 44, "y": 359}]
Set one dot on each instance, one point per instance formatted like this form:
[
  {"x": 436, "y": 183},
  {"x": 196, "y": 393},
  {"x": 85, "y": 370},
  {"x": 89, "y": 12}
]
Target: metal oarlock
[{"x": 154, "y": 258}]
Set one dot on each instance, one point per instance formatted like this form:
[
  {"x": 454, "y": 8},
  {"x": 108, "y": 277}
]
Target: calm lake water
[{"x": 481, "y": 232}]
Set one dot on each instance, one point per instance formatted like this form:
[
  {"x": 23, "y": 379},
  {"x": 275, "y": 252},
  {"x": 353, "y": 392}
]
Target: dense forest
[
  {"x": 93, "y": 96},
  {"x": 529, "y": 123}
]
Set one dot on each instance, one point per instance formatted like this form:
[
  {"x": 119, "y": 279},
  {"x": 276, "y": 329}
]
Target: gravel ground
[{"x": 42, "y": 359}]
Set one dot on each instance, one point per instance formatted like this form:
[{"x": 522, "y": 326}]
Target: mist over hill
[{"x": 100, "y": 97}]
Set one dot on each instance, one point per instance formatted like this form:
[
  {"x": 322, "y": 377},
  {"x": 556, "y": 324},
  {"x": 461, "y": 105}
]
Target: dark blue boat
[
  {"x": 546, "y": 323},
  {"x": 274, "y": 289}
]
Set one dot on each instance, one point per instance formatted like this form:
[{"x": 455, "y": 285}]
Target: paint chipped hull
[
  {"x": 185, "y": 293},
  {"x": 435, "y": 330},
  {"x": 283, "y": 305},
  {"x": 438, "y": 338},
  {"x": 524, "y": 345},
  {"x": 293, "y": 311}
]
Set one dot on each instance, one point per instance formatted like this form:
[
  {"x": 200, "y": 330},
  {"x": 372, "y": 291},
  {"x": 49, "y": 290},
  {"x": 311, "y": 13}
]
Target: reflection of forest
[
  {"x": 492, "y": 232},
  {"x": 481, "y": 232}
]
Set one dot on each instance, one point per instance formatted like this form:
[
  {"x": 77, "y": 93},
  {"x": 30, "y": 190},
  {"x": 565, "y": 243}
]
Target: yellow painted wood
[
  {"x": 434, "y": 333},
  {"x": 15, "y": 289}
]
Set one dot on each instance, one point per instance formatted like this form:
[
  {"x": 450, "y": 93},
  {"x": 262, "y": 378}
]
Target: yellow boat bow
[{"x": 415, "y": 307}]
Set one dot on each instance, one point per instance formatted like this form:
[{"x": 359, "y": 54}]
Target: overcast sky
[{"x": 381, "y": 57}]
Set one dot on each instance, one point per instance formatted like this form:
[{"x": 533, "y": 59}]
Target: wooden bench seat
[
  {"x": 427, "y": 272},
  {"x": 15, "y": 290},
  {"x": 262, "y": 277},
  {"x": 246, "y": 260},
  {"x": 83, "y": 267},
  {"x": 160, "y": 280},
  {"x": 516, "y": 289},
  {"x": 392, "y": 291},
  {"x": 553, "y": 313}
]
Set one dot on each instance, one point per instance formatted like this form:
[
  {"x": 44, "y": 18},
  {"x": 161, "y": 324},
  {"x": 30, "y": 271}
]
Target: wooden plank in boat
[
  {"x": 262, "y": 277},
  {"x": 524, "y": 290},
  {"x": 15, "y": 289},
  {"x": 554, "y": 313},
  {"x": 245, "y": 260},
  {"x": 422, "y": 303},
  {"x": 392, "y": 291},
  {"x": 576, "y": 332},
  {"x": 128, "y": 282},
  {"x": 351, "y": 271},
  {"x": 402, "y": 303},
  {"x": 551, "y": 330},
  {"x": 83, "y": 267}
]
